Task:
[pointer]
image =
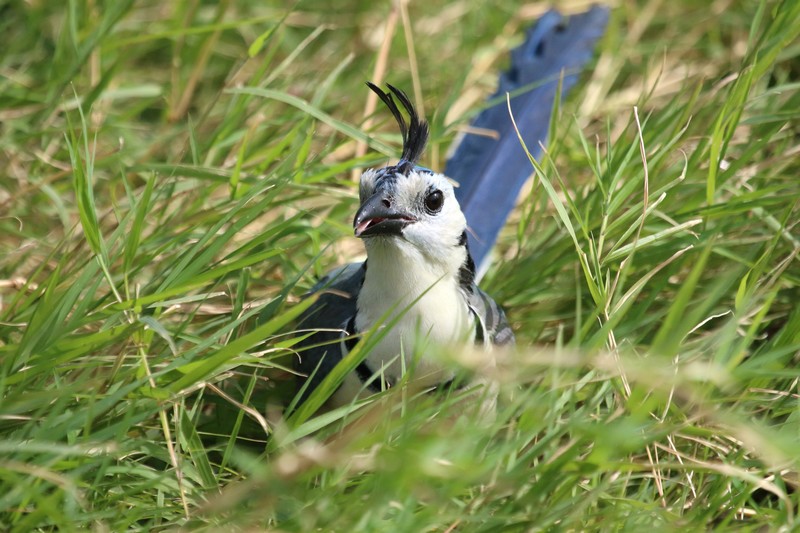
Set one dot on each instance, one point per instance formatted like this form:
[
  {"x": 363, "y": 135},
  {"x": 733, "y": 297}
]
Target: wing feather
[{"x": 329, "y": 316}]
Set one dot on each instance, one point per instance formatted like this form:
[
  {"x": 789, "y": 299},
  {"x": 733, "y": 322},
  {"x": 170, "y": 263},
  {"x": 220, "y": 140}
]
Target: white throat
[{"x": 431, "y": 306}]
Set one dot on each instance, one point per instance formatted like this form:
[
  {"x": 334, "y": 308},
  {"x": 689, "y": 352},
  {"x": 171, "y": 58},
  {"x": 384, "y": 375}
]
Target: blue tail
[{"x": 491, "y": 171}]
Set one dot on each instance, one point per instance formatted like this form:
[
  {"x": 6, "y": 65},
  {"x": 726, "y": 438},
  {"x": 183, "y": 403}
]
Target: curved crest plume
[{"x": 415, "y": 133}]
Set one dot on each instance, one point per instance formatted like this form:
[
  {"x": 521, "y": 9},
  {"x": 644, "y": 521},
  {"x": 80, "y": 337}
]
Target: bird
[
  {"x": 419, "y": 273},
  {"x": 418, "y": 287}
]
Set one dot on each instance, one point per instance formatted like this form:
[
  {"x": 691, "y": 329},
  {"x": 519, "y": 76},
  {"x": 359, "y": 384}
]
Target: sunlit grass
[{"x": 176, "y": 175}]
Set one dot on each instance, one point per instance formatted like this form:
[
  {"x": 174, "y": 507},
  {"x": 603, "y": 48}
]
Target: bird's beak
[{"x": 377, "y": 216}]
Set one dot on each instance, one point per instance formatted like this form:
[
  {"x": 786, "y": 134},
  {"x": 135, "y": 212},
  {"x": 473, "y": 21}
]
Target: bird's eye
[{"x": 434, "y": 201}]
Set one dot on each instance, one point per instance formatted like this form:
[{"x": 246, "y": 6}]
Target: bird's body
[
  {"x": 424, "y": 318},
  {"x": 418, "y": 288},
  {"x": 418, "y": 281}
]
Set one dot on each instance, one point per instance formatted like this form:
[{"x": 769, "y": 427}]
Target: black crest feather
[{"x": 415, "y": 132}]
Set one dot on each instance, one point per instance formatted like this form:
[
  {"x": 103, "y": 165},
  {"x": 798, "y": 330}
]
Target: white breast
[{"x": 428, "y": 307}]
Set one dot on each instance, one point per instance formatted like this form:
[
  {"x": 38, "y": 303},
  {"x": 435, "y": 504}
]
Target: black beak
[{"x": 377, "y": 216}]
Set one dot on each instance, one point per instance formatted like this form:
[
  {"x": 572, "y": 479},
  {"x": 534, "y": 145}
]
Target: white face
[{"x": 418, "y": 208}]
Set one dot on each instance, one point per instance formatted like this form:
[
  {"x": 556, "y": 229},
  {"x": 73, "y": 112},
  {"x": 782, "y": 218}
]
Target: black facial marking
[{"x": 462, "y": 241}]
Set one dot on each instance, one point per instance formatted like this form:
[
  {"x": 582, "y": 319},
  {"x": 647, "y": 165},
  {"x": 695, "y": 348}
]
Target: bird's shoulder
[
  {"x": 337, "y": 293},
  {"x": 495, "y": 325},
  {"x": 327, "y": 322}
]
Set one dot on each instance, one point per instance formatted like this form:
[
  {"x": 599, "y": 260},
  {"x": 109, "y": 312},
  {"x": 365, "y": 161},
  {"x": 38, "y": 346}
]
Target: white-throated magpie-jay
[{"x": 419, "y": 279}]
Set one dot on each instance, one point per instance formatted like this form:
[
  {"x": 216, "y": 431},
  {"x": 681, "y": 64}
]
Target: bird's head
[{"x": 409, "y": 206}]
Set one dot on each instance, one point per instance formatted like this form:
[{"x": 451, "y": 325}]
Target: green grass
[{"x": 176, "y": 174}]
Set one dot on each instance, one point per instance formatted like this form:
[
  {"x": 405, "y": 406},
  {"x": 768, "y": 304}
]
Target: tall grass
[{"x": 176, "y": 175}]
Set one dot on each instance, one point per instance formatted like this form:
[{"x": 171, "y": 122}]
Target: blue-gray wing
[
  {"x": 494, "y": 324},
  {"x": 331, "y": 315}
]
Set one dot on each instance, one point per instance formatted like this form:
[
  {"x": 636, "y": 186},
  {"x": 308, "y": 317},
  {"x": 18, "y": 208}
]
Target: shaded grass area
[{"x": 176, "y": 175}]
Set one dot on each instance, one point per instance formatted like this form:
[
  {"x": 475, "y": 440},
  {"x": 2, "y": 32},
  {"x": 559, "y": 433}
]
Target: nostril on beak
[{"x": 386, "y": 203}]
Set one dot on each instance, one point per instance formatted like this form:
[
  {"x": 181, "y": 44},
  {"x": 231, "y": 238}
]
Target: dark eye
[{"x": 434, "y": 201}]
